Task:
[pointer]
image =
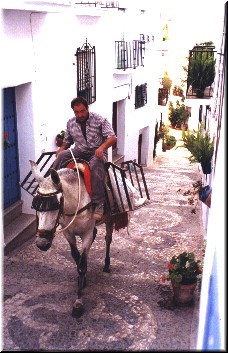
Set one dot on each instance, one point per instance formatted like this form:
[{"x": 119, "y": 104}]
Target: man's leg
[
  {"x": 98, "y": 186},
  {"x": 62, "y": 160}
]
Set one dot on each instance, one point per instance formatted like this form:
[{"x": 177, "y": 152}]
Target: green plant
[
  {"x": 170, "y": 140},
  {"x": 178, "y": 91},
  {"x": 166, "y": 82},
  {"x": 61, "y": 134},
  {"x": 165, "y": 32},
  {"x": 178, "y": 115},
  {"x": 183, "y": 269},
  {"x": 167, "y": 139},
  {"x": 163, "y": 131},
  {"x": 201, "y": 68},
  {"x": 200, "y": 145}
]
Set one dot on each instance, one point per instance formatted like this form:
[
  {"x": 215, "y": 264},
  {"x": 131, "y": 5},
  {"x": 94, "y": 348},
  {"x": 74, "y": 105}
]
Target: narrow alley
[{"x": 129, "y": 309}]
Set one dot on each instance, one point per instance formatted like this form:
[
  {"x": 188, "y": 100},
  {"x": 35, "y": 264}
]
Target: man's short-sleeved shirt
[{"x": 97, "y": 130}]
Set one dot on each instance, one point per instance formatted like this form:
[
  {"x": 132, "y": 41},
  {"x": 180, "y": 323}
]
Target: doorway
[{"x": 12, "y": 192}]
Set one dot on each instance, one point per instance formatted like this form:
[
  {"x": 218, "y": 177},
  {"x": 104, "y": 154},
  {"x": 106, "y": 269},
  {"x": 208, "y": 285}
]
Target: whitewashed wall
[{"x": 39, "y": 52}]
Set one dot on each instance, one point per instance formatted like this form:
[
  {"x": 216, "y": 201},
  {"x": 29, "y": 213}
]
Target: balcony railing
[{"x": 129, "y": 54}]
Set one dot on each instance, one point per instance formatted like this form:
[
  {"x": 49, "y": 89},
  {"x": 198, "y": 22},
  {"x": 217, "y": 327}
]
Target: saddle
[{"x": 84, "y": 168}]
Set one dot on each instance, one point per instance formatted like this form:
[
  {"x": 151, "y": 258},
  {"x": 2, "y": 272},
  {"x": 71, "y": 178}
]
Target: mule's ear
[
  {"x": 55, "y": 176},
  {"x": 36, "y": 172}
]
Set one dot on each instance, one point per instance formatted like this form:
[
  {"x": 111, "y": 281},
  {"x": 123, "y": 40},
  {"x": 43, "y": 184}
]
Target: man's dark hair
[{"x": 79, "y": 100}]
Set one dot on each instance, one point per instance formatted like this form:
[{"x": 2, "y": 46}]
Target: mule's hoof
[
  {"x": 43, "y": 244},
  {"x": 106, "y": 269},
  {"x": 77, "y": 311}
]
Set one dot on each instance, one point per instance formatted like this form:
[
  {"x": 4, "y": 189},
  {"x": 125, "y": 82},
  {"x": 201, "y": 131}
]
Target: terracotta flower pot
[{"x": 183, "y": 294}]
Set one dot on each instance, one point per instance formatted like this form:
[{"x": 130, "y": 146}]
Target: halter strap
[{"x": 80, "y": 211}]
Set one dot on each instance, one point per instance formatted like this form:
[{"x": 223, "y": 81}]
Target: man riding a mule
[{"x": 91, "y": 135}]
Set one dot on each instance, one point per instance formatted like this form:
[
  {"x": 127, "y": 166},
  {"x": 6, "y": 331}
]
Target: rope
[{"x": 79, "y": 195}]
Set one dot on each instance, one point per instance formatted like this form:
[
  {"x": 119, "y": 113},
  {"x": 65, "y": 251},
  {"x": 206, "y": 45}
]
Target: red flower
[
  {"x": 163, "y": 278},
  {"x": 170, "y": 266}
]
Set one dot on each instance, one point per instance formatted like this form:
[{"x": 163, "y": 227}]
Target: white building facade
[{"x": 40, "y": 40}]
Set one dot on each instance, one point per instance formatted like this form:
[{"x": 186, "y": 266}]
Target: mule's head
[{"x": 48, "y": 203}]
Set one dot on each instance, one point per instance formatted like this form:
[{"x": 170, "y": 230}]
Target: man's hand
[
  {"x": 99, "y": 153},
  {"x": 64, "y": 147}
]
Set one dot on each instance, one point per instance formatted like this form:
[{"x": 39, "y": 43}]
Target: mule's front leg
[{"x": 82, "y": 269}]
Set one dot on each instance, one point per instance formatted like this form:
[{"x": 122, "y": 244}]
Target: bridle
[{"x": 49, "y": 202}]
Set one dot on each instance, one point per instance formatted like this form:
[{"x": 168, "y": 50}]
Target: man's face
[{"x": 80, "y": 112}]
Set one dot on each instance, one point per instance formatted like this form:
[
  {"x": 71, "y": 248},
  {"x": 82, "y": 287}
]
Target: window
[
  {"x": 140, "y": 95},
  {"x": 86, "y": 72}
]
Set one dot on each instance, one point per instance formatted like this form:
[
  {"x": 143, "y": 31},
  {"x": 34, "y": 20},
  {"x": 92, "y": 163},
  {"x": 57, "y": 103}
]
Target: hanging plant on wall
[{"x": 201, "y": 146}]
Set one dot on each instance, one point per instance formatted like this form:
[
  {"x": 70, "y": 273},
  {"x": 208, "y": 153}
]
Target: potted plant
[
  {"x": 201, "y": 146},
  {"x": 183, "y": 272},
  {"x": 178, "y": 115},
  {"x": 201, "y": 68},
  {"x": 163, "y": 95},
  {"x": 178, "y": 91},
  {"x": 163, "y": 131},
  {"x": 59, "y": 138},
  {"x": 169, "y": 141}
]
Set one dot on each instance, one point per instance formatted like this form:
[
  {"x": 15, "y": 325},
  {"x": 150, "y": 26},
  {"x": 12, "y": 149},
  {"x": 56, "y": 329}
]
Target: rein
[
  {"x": 80, "y": 211},
  {"x": 79, "y": 194}
]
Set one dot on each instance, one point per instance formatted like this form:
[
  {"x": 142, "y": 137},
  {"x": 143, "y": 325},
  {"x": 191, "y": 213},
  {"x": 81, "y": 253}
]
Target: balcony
[{"x": 129, "y": 55}]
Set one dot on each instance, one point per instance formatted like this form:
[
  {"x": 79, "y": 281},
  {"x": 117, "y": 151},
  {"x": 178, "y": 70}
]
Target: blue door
[{"x": 12, "y": 192}]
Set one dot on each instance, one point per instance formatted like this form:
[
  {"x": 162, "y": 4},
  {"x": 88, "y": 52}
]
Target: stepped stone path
[{"x": 129, "y": 309}]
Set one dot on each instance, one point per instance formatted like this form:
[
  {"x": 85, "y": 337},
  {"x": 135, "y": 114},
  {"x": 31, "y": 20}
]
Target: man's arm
[
  {"x": 105, "y": 145},
  {"x": 64, "y": 147}
]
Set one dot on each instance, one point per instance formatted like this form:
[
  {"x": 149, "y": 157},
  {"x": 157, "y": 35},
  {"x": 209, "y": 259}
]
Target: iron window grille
[
  {"x": 123, "y": 55},
  {"x": 129, "y": 54},
  {"x": 144, "y": 38},
  {"x": 86, "y": 72},
  {"x": 140, "y": 95},
  {"x": 138, "y": 52}
]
